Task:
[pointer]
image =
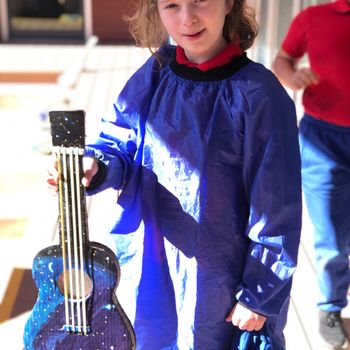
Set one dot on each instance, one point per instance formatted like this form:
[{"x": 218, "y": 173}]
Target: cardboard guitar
[{"x": 77, "y": 307}]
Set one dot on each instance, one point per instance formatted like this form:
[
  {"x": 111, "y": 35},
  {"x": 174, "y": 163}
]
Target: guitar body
[
  {"x": 77, "y": 307},
  {"x": 109, "y": 326}
]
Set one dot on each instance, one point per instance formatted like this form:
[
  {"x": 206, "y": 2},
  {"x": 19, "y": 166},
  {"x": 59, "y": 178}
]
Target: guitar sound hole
[{"x": 76, "y": 288}]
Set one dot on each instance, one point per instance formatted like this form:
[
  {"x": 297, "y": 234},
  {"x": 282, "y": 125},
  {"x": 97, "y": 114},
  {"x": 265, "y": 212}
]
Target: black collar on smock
[{"x": 215, "y": 74}]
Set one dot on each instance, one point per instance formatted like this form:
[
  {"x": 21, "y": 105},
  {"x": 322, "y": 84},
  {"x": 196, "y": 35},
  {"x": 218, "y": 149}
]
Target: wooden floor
[{"x": 34, "y": 80}]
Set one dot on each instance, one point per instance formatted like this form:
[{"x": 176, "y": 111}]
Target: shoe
[{"x": 332, "y": 330}]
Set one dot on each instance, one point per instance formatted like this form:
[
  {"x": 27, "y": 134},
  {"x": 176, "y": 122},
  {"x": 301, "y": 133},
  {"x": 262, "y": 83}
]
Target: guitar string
[
  {"x": 69, "y": 244},
  {"x": 75, "y": 243},
  {"x": 80, "y": 227},
  {"x": 60, "y": 189}
]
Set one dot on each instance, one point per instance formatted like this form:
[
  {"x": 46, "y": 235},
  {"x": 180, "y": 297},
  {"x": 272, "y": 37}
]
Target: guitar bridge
[{"x": 77, "y": 329}]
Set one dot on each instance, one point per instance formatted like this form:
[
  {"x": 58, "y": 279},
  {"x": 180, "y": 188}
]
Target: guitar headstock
[{"x": 68, "y": 128}]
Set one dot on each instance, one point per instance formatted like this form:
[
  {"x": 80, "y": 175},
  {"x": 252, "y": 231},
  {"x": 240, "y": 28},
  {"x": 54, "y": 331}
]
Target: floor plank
[{"x": 296, "y": 338}]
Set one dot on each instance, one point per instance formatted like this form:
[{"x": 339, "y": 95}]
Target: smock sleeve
[
  {"x": 271, "y": 171},
  {"x": 118, "y": 148},
  {"x": 114, "y": 150}
]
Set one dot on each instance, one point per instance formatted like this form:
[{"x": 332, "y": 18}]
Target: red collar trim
[
  {"x": 223, "y": 57},
  {"x": 342, "y": 6}
]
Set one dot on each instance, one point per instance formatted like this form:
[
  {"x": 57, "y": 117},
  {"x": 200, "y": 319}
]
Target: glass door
[{"x": 46, "y": 19}]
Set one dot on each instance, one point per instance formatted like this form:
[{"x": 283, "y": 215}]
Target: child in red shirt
[{"x": 323, "y": 33}]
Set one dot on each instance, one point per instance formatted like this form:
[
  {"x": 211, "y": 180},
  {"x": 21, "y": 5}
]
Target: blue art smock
[{"x": 210, "y": 208}]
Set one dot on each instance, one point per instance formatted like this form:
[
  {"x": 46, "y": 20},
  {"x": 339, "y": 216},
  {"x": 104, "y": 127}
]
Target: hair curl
[{"x": 148, "y": 31}]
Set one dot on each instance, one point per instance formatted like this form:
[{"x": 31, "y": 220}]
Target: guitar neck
[
  {"x": 72, "y": 203},
  {"x": 68, "y": 140}
]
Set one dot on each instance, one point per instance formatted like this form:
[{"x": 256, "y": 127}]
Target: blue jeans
[{"x": 325, "y": 154}]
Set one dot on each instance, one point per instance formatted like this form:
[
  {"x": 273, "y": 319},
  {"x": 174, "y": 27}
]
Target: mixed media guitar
[{"x": 77, "y": 307}]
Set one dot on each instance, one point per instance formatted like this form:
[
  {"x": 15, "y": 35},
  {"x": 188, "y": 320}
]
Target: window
[{"x": 45, "y": 19}]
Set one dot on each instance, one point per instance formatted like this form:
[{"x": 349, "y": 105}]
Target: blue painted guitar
[{"x": 77, "y": 307}]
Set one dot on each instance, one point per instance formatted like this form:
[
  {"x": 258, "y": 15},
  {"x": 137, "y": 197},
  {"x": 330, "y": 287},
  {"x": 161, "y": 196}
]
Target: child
[
  {"x": 209, "y": 217},
  {"x": 325, "y": 143}
]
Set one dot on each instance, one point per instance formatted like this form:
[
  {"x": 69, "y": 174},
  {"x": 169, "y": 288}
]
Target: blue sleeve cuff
[{"x": 111, "y": 171}]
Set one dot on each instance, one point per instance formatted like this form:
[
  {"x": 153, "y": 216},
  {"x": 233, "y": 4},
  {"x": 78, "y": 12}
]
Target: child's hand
[
  {"x": 90, "y": 167},
  {"x": 245, "y": 319},
  {"x": 304, "y": 77},
  {"x": 52, "y": 174}
]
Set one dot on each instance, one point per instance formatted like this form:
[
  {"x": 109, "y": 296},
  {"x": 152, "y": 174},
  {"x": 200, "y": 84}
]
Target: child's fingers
[
  {"x": 90, "y": 169},
  {"x": 52, "y": 175},
  {"x": 86, "y": 180}
]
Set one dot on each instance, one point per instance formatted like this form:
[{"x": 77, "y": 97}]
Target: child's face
[{"x": 196, "y": 25}]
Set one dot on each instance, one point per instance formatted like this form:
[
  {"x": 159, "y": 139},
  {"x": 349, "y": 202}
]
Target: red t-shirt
[{"x": 323, "y": 33}]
